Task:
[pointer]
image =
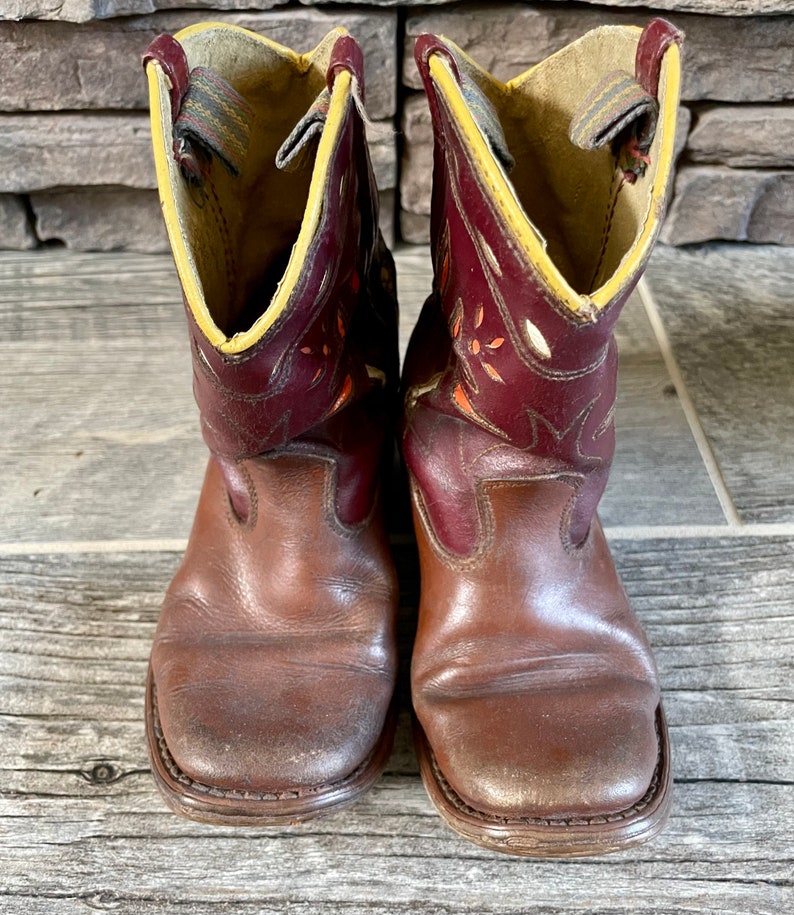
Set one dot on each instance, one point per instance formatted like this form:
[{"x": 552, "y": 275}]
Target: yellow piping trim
[
  {"x": 513, "y": 212},
  {"x": 160, "y": 115}
]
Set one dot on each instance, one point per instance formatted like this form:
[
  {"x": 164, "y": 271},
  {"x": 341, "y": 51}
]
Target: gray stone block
[
  {"x": 57, "y": 150},
  {"x": 44, "y": 151},
  {"x": 744, "y": 136},
  {"x": 109, "y": 219},
  {"x": 388, "y": 206},
  {"x": 15, "y": 231},
  {"x": 51, "y": 66},
  {"x": 86, "y": 10},
  {"x": 727, "y": 59},
  {"x": 113, "y": 219},
  {"x": 416, "y": 179},
  {"x": 713, "y": 7},
  {"x": 101, "y": 219},
  {"x": 716, "y": 202},
  {"x": 382, "y": 141}
]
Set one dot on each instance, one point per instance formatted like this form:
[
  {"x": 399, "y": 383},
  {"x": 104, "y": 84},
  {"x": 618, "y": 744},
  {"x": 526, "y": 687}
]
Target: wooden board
[
  {"x": 82, "y": 827},
  {"x": 729, "y": 311},
  {"x": 102, "y": 439}
]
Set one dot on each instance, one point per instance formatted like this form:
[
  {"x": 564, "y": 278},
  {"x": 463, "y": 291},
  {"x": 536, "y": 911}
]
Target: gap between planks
[
  {"x": 688, "y": 405},
  {"x": 618, "y": 532}
]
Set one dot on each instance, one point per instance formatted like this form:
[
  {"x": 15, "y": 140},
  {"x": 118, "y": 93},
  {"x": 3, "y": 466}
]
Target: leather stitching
[
  {"x": 485, "y": 515},
  {"x": 222, "y": 227},
  {"x": 454, "y": 799},
  {"x": 235, "y": 794}
]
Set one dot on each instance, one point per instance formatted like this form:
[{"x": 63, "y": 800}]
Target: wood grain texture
[
  {"x": 729, "y": 312},
  {"x": 82, "y": 828},
  {"x": 102, "y": 434}
]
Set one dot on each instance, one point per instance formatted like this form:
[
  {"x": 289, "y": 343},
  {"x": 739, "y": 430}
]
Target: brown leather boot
[
  {"x": 540, "y": 727},
  {"x": 273, "y": 664}
]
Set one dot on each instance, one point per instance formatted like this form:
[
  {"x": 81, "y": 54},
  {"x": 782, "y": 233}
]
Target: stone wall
[
  {"x": 735, "y": 179},
  {"x": 74, "y": 132},
  {"x": 74, "y": 128}
]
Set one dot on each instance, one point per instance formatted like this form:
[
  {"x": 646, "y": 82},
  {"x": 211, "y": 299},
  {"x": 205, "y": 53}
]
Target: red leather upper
[
  {"x": 331, "y": 351},
  {"x": 537, "y": 379}
]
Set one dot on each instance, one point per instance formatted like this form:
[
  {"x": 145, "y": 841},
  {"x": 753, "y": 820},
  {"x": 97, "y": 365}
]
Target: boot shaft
[
  {"x": 279, "y": 256},
  {"x": 532, "y": 270}
]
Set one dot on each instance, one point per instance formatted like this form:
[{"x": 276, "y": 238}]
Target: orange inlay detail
[
  {"x": 306, "y": 350},
  {"x": 456, "y": 329},
  {"x": 317, "y": 374},
  {"x": 341, "y": 325},
  {"x": 462, "y": 400},
  {"x": 492, "y": 372},
  {"x": 495, "y": 343},
  {"x": 480, "y": 312},
  {"x": 445, "y": 270},
  {"x": 475, "y": 346},
  {"x": 347, "y": 390},
  {"x": 326, "y": 350}
]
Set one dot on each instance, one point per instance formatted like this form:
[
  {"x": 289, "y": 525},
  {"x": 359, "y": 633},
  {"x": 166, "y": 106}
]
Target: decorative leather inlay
[{"x": 564, "y": 370}]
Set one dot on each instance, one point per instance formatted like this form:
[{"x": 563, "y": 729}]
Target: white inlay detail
[
  {"x": 536, "y": 339},
  {"x": 489, "y": 254}
]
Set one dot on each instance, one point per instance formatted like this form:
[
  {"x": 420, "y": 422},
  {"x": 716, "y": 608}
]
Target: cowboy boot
[
  {"x": 540, "y": 728},
  {"x": 273, "y": 664}
]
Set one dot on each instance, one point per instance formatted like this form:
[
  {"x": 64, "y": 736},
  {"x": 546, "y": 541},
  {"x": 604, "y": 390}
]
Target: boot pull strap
[
  {"x": 617, "y": 111},
  {"x": 347, "y": 56},
  {"x": 170, "y": 54},
  {"x": 210, "y": 119},
  {"x": 289, "y": 155},
  {"x": 480, "y": 106},
  {"x": 623, "y": 110},
  {"x": 657, "y": 36},
  {"x": 214, "y": 121}
]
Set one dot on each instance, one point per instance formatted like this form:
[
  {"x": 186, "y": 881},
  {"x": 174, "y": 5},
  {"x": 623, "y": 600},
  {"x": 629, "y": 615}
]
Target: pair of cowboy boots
[{"x": 539, "y": 725}]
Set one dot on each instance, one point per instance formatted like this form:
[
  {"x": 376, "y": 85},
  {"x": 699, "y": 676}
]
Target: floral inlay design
[{"x": 482, "y": 348}]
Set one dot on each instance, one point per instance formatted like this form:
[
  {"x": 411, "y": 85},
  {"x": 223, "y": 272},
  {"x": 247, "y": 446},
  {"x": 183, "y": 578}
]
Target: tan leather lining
[
  {"x": 239, "y": 232},
  {"x": 569, "y": 195}
]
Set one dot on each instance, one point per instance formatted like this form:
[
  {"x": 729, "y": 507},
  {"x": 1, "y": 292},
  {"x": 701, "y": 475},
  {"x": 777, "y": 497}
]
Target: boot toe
[
  {"x": 268, "y": 728},
  {"x": 549, "y": 756}
]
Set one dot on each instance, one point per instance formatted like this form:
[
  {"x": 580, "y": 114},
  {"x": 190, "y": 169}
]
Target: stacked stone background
[
  {"x": 75, "y": 141},
  {"x": 74, "y": 132}
]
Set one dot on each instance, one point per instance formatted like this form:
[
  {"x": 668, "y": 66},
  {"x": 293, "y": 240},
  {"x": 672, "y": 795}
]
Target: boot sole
[
  {"x": 553, "y": 838},
  {"x": 240, "y": 807}
]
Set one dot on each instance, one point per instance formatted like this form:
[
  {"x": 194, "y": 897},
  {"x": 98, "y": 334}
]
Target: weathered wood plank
[
  {"x": 54, "y": 279},
  {"x": 727, "y": 849},
  {"x": 76, "y": 629},
  {"x": 720, "y": 616},
  {"x": 729, "y": 311},
  {"x": 101, "y": 441},
  {"x": 82, "y": 827},
  {"x": 102, "y": 438}
]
